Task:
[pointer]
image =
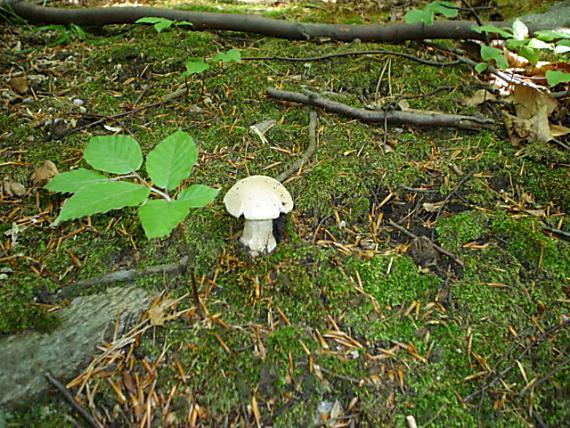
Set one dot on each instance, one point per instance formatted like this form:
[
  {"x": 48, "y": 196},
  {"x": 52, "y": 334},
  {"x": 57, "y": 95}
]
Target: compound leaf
[
  {"x": 118, "y": 154},
  {"x": 72, "y": 181},
  {"x": 102, "y": 197},
  {"x": 171, "y": 161},
  {"x": 158, "y": 217},
  {"x": 197, "y": 195}
]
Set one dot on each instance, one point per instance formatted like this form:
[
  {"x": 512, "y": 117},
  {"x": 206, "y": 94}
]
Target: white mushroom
[{"x": 260, "y": 200}]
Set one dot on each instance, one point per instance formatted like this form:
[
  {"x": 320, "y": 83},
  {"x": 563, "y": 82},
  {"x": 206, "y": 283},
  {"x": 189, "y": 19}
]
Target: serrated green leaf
[
  {"x": 233, "y": 55},
  {"x": 489, "y": 53},
  {"x": 520, "y": 30},
  {"x": 72, "y": 181},
  {"x": 197, "y": 195},
  {"x": 419, "y": 15},
  {"x": 102, "y": 197},
  {"x": 160, "y": 217},
  {"x": 550, "y": 35},
  {"x": 504, "y": 32},
  {"x": 171, "y": 161},
  {"x": 481, "y": 67},
  {"x": 554, "y": 77},
  {"x": 443, "y": 8},
  {"x": 118, "y": 154},
  {"x": 195, "y": 66}
]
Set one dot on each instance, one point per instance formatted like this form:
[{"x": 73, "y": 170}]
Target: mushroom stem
[{"x": 257, "y": 235}]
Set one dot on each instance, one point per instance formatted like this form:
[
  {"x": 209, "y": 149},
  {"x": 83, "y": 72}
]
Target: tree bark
[{"x": 388, "y": 33}]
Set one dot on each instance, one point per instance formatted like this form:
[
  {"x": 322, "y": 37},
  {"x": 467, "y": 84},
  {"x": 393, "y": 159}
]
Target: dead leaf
[
  {"x": 559, "y": 130},
  {"x": 43, "y": 173},
  {"x": 12, "y": 188},
  {"x": 479, "y": 97},
  {"x": 529, "y": 102},
  {"x": 158, "y": 314},
  {"x": 19, "y": 85},
  {"x": 260, "y": 129},
  {"x": 432, "y": 208}
]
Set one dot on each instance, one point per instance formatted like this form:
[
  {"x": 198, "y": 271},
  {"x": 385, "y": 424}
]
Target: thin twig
[
  {"x": 123, "y": 275},
  {"x": 552, "y": 330},
  {"x": 73, "y": 402},
  {"x": 435, "y": 246},
  {"x": 533, "y": 385},
  {"x": 311, "y": 148},
  {"x": 354, "y": 53},
  {"x": 562, "y": 233}
]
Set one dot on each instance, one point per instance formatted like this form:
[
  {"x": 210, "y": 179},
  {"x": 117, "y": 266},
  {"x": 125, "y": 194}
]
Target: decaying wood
[
  {"x": 417, "y": 118},
  {"x": 388, "y": 33},
  {"x": 88, "y": 322}
]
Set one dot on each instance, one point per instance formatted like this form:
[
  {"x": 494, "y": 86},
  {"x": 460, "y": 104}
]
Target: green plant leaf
[
  {"x": 529, "y": 53},
  {"x": 171, "y": 161},
  {"x": 481, "y": 67},
  {"x": 195, "y": 66},
  {"x": 72, "y": 181},
  {"x": 158, "y": 22},
  {"x": 539, "y": 44},
  {"x": 489, "y": 53},
  {"x": 419, "y": 15},
  {"x": 554, "y": 77},
  {"x": 183, "y": 23},
  {"x": 158, "y": 217},
  {"x": 102, "y": 197},
  {"x": 520, "y": 30},
  {"x": 442, "y": 8},
  {"x": 550, "y": 35},
  {"x": 504, "y": 32},
  {"x": 197, "y": 195},
  {"x": 118, "y": 154},
  {"x": 233, "y": 55}
]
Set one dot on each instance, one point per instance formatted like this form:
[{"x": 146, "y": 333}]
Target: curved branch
[
  {"x": 393, "y": 117},
  {"x": 392, "y": 33}
]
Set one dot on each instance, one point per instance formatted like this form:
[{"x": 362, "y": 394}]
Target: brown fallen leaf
[
  {"x": 19, "y": 85},
  {"x": 533, "y": 108},
  {"x": 479, "y": 97},
  {"x": 43, "y": 173},
  {"x": 12, "y": 188}
]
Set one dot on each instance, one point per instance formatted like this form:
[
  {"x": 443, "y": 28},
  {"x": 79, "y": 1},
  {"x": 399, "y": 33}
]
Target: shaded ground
[{"x": 348, "y": 317}]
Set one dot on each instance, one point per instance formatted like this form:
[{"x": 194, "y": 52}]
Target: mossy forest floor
[{"x": 346, "y": 318}]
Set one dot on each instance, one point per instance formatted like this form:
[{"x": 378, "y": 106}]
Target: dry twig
[{"x": 415, "y": 118}]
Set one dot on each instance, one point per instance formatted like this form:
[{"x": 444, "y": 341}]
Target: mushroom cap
[{"x": 258, "y": 198}]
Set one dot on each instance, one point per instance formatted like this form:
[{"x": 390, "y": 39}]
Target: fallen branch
[
  {"x": 392, "y": 117},
  {"x": 389, "y": 33}
]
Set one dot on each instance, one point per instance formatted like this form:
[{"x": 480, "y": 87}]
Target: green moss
[{"x": 459, "y": 229}]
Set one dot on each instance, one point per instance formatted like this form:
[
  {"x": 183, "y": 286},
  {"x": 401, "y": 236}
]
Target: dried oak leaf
[{"x": 43, "y": 173}]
